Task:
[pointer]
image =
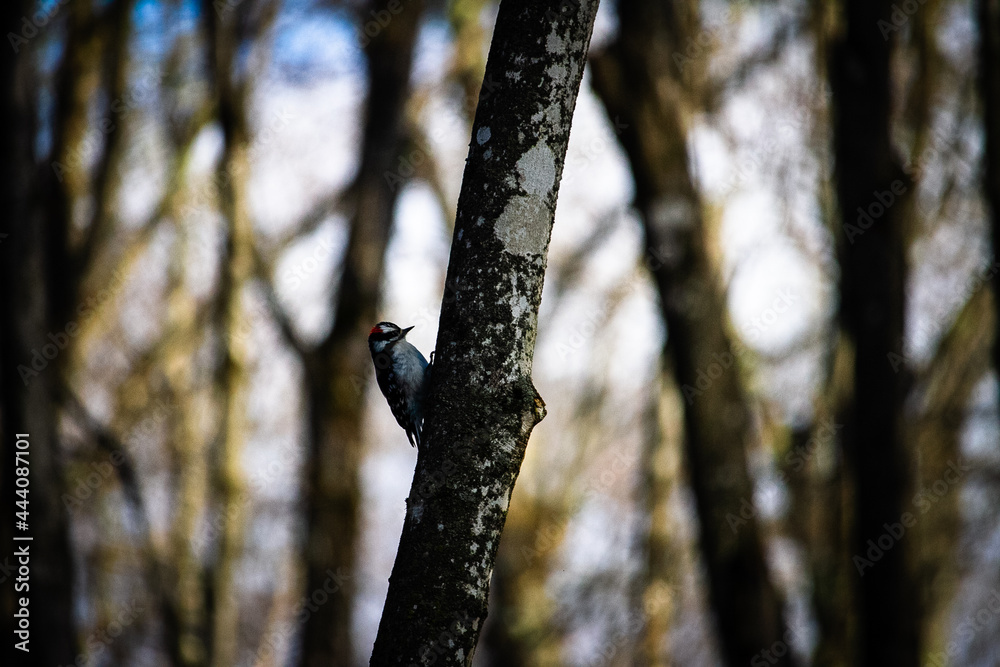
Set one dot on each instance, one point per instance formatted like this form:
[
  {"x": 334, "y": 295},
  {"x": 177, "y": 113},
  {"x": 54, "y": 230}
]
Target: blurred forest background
[{"x": 766, "y": 337}]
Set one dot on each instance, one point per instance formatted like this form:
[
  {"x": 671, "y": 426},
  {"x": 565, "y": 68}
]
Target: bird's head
[{"x": 386, "y": 332}]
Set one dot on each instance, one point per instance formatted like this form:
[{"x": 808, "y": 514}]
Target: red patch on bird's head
[{"x": 375, "y": 329}]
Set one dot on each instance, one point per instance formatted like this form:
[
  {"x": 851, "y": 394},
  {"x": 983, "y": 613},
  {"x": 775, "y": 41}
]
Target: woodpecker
[{"x": 401, "y": 373}]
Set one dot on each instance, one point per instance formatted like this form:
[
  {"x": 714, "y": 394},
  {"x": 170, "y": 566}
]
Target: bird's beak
[{"x": 405, "y": 331}]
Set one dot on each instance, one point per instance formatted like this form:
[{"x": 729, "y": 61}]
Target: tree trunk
[
  {"x": 872, "y": 193},
  {"x": 482, "y": 404},
  {"x": 236, "y": 264},
  {"x": 961, "y": 360},
  {"x": 989, "y": 83},
  {"x": 659, "y": 587},
  {"x": 337, "y": 372},
  {"x": 642, "y": 89},
  {"x": 29, "y": 314}
]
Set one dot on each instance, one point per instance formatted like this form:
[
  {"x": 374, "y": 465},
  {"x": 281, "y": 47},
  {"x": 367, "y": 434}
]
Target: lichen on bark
[{"x": 482, "y": 404}]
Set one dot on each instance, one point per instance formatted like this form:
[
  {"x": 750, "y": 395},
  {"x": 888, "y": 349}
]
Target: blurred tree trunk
[
  {"x": 521, "y": 629},
  {"x": 989, "y": 82},
  {"x": 33, "y": 308},
  {"x": 942, "y": 395},
  {"x": 872, "y": 193},
  {"x": 185, "y": 622},
  {"x": 226, "y": 31},
  {"x": 938, "y": 400},
  {"x": 337, "y": 372},
  {"x": 659, "y": 588},
  {"x": 229, "y": 31},
  {"x": 482, "y": 404},
  {"x": 468, "y": 65},
  {"x": 15, "y": 199},
  {"x": 820, "y": 506},
  {"x": 641, "y": 87}
]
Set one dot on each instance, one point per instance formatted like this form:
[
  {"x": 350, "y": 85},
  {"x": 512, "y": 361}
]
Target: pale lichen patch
[
  {"x": 487, "y": 508},
  {"x": 557, "y": 73},
  {"x": 483, "y": 135},
  {"x": 522, "y": 227},
  {"x": 537, "y": 168},
  {"x": 554, "y": 115},
  {"x": 554, "y": 43},
  {"x": 518, "y": 306}
]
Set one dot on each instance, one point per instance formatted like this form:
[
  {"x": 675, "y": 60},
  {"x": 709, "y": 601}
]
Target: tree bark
[
  {"x": 989, "y": 84},
  {"x": 482, "y": 404},
  {"x": 29, "y": 313},
  {"x": 872, "y": 282},
  {"x": 643, "y": 90},
  {"x": 961, "y": 360},
  {"x": 236, "y": 263},
  {"x": 661, "y": 582}
]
